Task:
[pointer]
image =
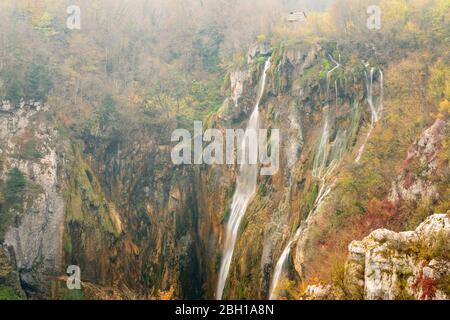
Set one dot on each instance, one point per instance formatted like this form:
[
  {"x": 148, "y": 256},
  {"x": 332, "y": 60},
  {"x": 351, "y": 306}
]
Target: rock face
[
  {"x": 256, "y": 50},
  {"x": 116, "y": 206},
  {"x": 422, "y": 154},
  {"x": 161, "y": 246},
  {"x": 407, "y": 265},
  {"x": 118, "y": 210},
  {"x": 237, "y": 78},
  {"x": 29, "y": 145},
  {"x": 54, "y": 212}
]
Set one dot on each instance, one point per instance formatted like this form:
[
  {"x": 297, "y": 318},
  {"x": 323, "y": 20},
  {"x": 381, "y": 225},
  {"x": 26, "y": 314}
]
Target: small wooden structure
[{"x": 296, "y": 16}]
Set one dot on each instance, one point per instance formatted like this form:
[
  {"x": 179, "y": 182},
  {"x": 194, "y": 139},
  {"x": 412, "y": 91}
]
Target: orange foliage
[
  {"x": 332, "y": 246},
  {"x": 166, "y": 295}
]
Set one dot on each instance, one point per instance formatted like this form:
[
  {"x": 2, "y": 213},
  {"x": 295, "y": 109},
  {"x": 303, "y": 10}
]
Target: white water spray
[
  {"x": 375, "y": 110},
  {"x": 280, "y": 266},
  {"x": 245, "y": 190}
]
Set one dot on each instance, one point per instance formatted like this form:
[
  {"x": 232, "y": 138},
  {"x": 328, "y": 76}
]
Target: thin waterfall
[
  {"x": 245, "y": 189},
  {"x": 381, "y": 102},
  {"x": 320, "y": 159},
  {"x": 321, "y": 156},
  {"x": 280, "y": 266},
  {"x": 320, "y": 171},
  {"x": 324, "y": 191},
  {"x": 375, "y": 110}
]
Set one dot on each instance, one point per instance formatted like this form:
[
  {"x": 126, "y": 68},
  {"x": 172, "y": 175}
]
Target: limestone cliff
[
  {"x": 29, "y": 147},
  {"x": 388, "y": 265},
  {"x": 53, "y": 213},
  {"x": 412, "y": 264},
  {"x": 112, "y": 202}
]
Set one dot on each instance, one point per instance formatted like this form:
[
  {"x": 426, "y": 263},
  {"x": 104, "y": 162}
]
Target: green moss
[
  {"x": 225, "y": 215},
  {"x": 7, "y": 293},
  {"x": 12, "y": 197},
  {"x": 15, "y": 188},
  {"x": 444, "y": 286},
  {"x": 262, "y": 190},
  {"x": 419, "y": 214},
  {"x": 86, "y": 202},
  {"x": 440, "y": 247},
  {"x": 402, "y": 290},
  {"x": 67, "y": 245},
  {"x": 226, "y": 82},
  {"x": 354, "y": 126},
  {"x": 73, "y": 295},
  {"x": 242, "y": 226},
  {"x": 307, "y": 202},
  {"x": 218, "y": 260},
  {"x": 437, "y": 249},
  {"x": 261, "y": 59},
  {"x": 310, "y": 75},
  {"x": 30, "y": 150}
]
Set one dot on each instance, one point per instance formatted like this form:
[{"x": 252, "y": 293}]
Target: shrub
[
  {"x": 30, "y": 150},
  {"x": 426, "y": 285},
  {"x": 107, "y": 112},
  {"x": 7, "y": 293},
  {"x": 39, "y": 82},
  {"x": 12, "y": 194},
  {"x": 14, "y": 84},
  {"x": 15, "y": 188}
]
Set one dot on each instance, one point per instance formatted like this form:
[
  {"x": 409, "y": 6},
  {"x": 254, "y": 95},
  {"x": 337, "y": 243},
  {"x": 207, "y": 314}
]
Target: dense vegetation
[
  {"x": 159, "y": 60},
  {"x": 155, "y": 65},
  {"x": 12, "y": 193},
  {"x": 415, "y": 34}
]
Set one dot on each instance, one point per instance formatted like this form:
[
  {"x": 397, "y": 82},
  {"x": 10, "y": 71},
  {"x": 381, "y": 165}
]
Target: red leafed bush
[
  {"x": 380, "y": 214},
  {"x": 426, "y": 285},
  {"x": 408, "y": 181}
]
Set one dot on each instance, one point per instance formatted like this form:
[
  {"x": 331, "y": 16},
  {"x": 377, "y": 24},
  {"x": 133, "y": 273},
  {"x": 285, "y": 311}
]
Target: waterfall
[
  {"x": 279, "y": 268},
  {"x": 375, "y": 110},
  {"x": 323, "y": 192},
  {"x": 320, "y": 160},
  {"x": 320, "y": 171},
  {"x": 245, "y": 189}
]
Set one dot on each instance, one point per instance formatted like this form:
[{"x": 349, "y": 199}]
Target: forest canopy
[{"x": 164, "y": 58}]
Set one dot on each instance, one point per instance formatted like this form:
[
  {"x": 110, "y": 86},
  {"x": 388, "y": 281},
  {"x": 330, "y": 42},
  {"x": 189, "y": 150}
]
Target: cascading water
[
  {"x": 320, "y": 171},
  {"x": 321, "y": 156},
  {"x": 280, "y": 264},
  {"x": 323, "y": 192},
  {"x": 375, "y": 110},
  {"x": 245, "y": 189},
  {"x": 320, "y": 160}
]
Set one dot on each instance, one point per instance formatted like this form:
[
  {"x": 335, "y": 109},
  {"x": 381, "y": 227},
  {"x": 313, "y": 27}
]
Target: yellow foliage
[
  {"x": 444, "y": 109},
  {"x": 439, "y": 81},
  {"x": 288, "y": 290},
  {"x": 261, "y": 38},
  {"x": 394, "y": 13},
  {"x": 166, "y": 295}
]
